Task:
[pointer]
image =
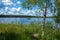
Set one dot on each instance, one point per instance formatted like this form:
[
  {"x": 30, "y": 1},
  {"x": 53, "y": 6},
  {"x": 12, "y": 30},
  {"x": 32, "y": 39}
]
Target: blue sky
[{"x": 13, "y": 7}]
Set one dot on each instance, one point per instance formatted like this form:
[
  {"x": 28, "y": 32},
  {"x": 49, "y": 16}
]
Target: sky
[{"x": 13, "y": 7}]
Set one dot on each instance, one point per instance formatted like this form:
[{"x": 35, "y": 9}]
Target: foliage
[
  {"x": 26, "y": 32},
  {"x": 57, "y": 10}
]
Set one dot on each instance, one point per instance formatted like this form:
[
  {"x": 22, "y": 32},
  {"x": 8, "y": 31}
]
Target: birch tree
[{"x": 42, "y": 4}]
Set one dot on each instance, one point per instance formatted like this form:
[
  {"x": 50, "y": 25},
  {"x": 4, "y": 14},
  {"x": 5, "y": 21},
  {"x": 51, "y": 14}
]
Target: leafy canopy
[{"x": 40, "y": 3}]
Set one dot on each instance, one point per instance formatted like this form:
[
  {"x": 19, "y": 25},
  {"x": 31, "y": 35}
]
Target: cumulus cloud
[
  {"x": 6, "y": 8},
  {"x": 1, "y": 12},
  {"x": 18, "y": 9},
  {"x": 29, "y": 12},
  {"x": 10, "y": 11},
  {"x": 7, "y": 2},
  {"x": 18, "y": 2},
  {"x": 13, "y": 9}
]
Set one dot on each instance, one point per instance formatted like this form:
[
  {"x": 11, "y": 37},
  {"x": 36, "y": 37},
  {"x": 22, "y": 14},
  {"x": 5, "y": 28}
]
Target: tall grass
[{"x": 31, "y": 31}]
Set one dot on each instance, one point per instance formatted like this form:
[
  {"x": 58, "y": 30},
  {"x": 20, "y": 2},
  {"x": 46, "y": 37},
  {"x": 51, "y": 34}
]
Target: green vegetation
[{"x": 31, "y": 31}]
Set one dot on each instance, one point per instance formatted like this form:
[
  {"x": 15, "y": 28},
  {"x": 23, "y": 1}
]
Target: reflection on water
[
  {"x": 27, "y": 20},
  {"x": 24, "y": 20}
]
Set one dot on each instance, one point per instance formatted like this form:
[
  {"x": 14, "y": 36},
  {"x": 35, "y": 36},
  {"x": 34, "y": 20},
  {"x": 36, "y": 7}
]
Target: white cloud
[
  {"x": 1, "y": 12},
  {"x": 29, "y": 12},
  {"x": 18, "y": 2},
  {"x": 18, "y": 9},
  {"x": 13, "y": 9},
  {"x": 7, "y": 2},
  {"x": 6, "y": 8},
  {"x": 9, "y": 12}
]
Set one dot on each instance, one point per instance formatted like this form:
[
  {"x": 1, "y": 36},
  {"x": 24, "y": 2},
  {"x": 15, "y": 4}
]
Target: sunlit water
[{"x": 24, "y": 20}]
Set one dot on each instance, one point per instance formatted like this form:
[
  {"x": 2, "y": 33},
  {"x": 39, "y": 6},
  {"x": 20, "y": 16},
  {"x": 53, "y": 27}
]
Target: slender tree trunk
[{"x": 43, "y": 26}]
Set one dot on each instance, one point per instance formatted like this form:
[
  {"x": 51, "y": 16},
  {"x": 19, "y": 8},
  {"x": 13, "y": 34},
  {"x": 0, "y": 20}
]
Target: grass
[{"x": 31, "y": 31}]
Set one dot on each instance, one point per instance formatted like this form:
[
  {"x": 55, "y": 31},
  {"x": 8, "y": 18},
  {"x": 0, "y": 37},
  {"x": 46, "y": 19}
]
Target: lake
[{"x": 24, "y": 20}]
